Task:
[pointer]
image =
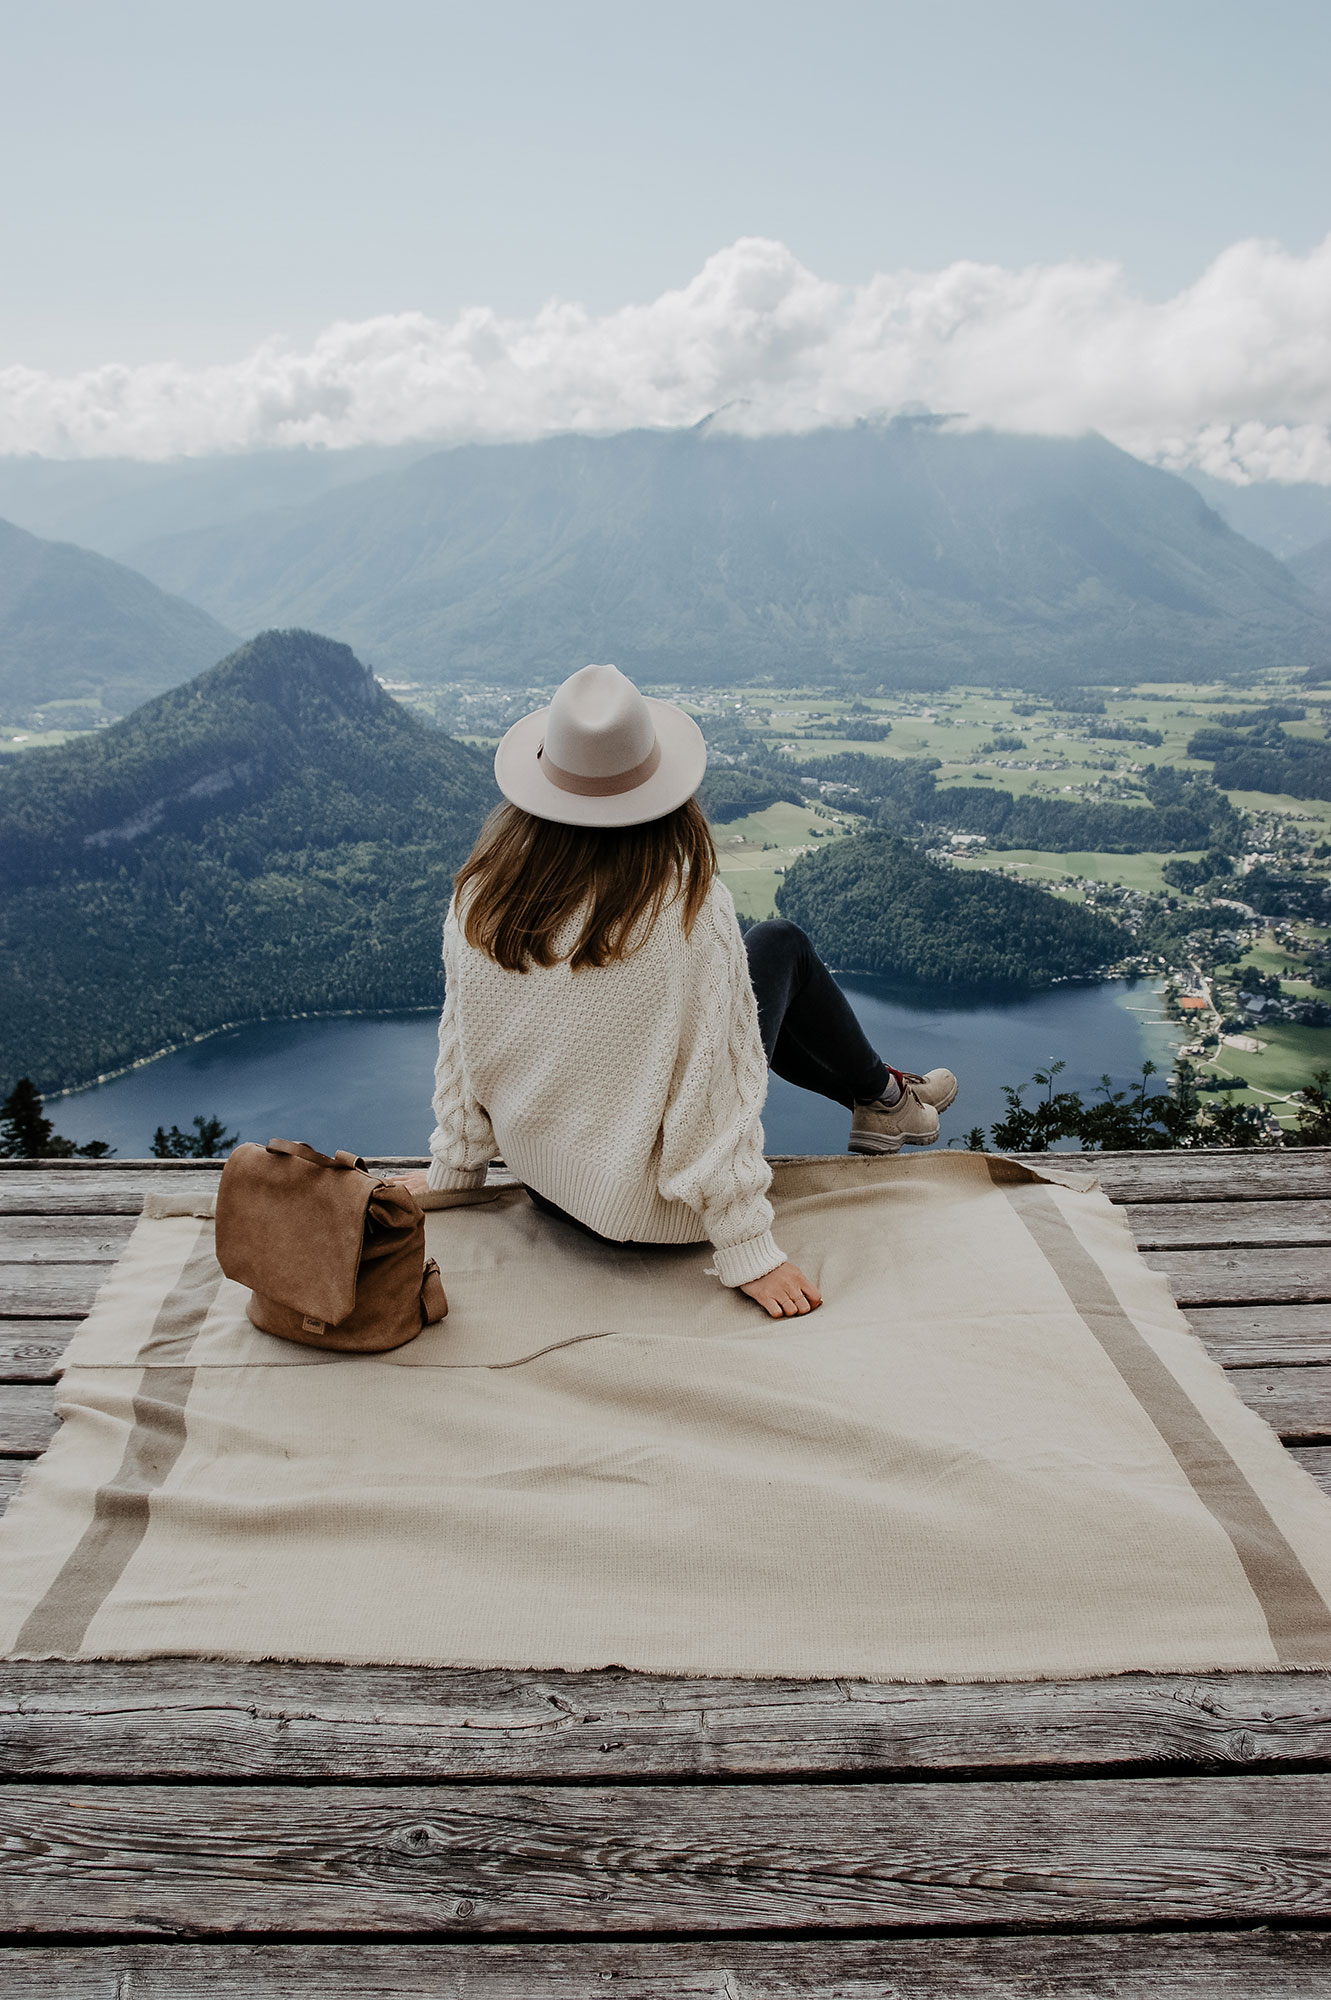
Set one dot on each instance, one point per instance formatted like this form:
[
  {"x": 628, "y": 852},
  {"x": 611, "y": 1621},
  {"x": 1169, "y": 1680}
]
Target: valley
[
  {"x": 1211, "y": 945},
  {"x": 952, "y": 775}
]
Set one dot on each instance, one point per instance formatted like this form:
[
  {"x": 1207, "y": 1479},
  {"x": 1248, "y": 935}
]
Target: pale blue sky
[{"x": 182, "y": 180}]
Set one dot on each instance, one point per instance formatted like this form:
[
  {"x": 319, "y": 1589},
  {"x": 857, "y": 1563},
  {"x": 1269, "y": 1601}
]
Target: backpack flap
[{"x": 291, "y": 1226}]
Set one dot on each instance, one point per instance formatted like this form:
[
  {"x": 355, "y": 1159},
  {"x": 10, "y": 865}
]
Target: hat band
[{"x": 600, "y": 788}]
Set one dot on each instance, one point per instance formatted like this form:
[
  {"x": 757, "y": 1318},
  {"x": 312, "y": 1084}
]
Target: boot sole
[{"x": 865, "y": 1144}]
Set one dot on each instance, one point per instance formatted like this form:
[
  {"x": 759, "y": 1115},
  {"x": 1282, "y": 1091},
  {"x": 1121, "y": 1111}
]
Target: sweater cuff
[
  {"x": 741, "y": 1263},
  {"x": 440, "y": 1177}
]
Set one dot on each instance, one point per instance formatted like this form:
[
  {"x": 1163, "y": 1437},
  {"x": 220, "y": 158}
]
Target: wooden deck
[{"x": 180, "y": 1828}]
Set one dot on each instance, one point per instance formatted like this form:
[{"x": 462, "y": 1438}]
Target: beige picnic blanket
[{"x": 997, "y": 1452}]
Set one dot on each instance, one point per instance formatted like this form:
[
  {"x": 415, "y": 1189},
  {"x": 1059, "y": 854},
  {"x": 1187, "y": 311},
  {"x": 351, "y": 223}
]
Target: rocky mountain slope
[{"x": 896, "y": 554}]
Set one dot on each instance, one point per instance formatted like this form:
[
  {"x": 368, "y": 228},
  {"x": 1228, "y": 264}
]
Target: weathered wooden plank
[
  {"x": 31, "y": 1349},
  {"x": 1205, "y": 1965},
  {"x": 1240, "y": 1277},
  {"x": 1296, "y": 1402},
  {"x": 63, "y": 1239},
  {"x": 212, "y": 1719},
  {"x": 207, "y": 1861},
  {"x": 1256, "y": 1336},
  {"x": 27, "y": 1418},
  {"x": 48, "y": 1291},
  {"x": 1203, "y": 1174},
  {"x": 1316, "y": 1460},
  {"x": 1182, "y": 1225},
  {"x": 112, "y": 1187},
  {"x": 117, "y": 1187},
  {"x": 11, "y": 1477}
]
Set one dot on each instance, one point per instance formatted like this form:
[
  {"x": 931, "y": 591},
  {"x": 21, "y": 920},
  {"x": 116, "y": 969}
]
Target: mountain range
[
  {"x": 1285, "y": 517},
  {"x": 111, "y": 505},
  {"x": 277, "y": 835},
  {"x": 82, "y": 638},
  {"x": 1313, "y": 568},
  {"x": 898, "y": 554}
]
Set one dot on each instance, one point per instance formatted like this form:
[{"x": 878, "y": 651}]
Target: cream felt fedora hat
[{"x": 602, "y": 754}]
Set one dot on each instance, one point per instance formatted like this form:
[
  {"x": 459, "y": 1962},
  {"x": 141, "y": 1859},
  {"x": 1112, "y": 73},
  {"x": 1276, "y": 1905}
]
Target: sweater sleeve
[
  {"x": 463, "y": 1141},
  {"x": 712, "y": 1134}
]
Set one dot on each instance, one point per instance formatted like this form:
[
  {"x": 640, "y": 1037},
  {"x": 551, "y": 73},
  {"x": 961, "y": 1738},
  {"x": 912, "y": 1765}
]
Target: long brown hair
[{"x": 526, "y": 877}]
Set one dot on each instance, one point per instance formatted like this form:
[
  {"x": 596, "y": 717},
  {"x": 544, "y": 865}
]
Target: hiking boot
[
  {"x": 937, "y": 1086},
  {"x": 911, "y": 1121}
]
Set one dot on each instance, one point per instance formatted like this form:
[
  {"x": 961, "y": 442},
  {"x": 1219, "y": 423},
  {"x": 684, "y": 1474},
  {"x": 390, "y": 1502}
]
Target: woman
[{"x": 604, "y": 1028}]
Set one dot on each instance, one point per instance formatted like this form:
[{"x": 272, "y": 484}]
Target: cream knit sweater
[{"x": 629, "y": 1094}]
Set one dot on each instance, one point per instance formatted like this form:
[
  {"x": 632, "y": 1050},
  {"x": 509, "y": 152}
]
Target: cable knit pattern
[
  {"x": 630, "y": 1094},
  {"x": 463, "y": 1142}
]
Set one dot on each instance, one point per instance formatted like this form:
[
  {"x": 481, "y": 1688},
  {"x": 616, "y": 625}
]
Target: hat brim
[{"x": 520, "y": 777}]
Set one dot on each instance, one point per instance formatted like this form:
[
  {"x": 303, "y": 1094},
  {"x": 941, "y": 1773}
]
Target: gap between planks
[{"x": 1205, "y": 1965}]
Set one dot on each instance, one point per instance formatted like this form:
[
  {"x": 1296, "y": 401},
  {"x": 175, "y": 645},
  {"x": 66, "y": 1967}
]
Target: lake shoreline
[
  {"x": 363, "y": 1081},
  {"x": 230, "y": 1028}
]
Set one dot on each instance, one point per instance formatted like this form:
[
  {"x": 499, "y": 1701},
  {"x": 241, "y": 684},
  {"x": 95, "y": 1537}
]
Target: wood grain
[
  {"x": 11, "y": 1477},
  {"x": 28, "y": 1420},
  {"x": 1255, "y": 1336},
  {"x": 1201, "y": 1175},
  {"x": 31, "y": 1349},
  {"x": 211, "y": 1719},
  {"x": 190, "y": 1861},
  {"x": 1294, "y": 1173},
  {"x": 1315, "y": 1460},
  {"x": 61, "y": 1239},
  {"x": 1181, "y": 1225},
  {"x": 48, "y": 1291},
  {"x": 1296, "y": 1402},
  {"x": 1205, "y": 1965},
  {"x": 1245, "y": 1277}
]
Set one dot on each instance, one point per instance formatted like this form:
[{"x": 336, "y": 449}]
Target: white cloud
[{"x": 1233, "y": 374}]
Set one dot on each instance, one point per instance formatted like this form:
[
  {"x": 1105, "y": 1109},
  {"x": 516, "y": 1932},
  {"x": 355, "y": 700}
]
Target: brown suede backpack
[{"x": 333, "y": 1257}]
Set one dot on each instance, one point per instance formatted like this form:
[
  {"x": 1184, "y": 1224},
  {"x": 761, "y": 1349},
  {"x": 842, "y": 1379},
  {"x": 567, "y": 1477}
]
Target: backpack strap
[{"x": 301, "y": 1151}]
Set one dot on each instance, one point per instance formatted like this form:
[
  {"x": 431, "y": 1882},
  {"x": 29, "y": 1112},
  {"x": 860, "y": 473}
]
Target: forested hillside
[
  {"x": 902, "y": 554},
  {"x": 75, "y": 628},
  {"x": 1252, "y": 752},
  {"x": 877, "y": 904},
  {"x": 278, "y": 835}
]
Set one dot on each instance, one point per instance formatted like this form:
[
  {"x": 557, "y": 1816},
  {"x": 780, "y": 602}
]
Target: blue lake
[{"x": 364, "y": 1081}]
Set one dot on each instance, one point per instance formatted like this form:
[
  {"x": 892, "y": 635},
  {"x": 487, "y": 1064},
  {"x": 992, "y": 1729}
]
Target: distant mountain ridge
[
  {"x": 276, "y": 836},
  {"x": 1313, "y": 569},
  {"x": 1284, "y": 517},
  {"x": 113, "y": 504},
  {"x": 75, "y": 627},
  {"x": 901, "y": 554}
]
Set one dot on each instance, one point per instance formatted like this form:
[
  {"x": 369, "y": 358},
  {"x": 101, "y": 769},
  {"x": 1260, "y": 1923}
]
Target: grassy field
[
  {"x": 756, "y": 851},
  {"x": 15, "y": 740},
  {"x": 1285, "y": 1064},
  {"x": 1130, "y": 871},
  {"x": 1316, "y": 810},
  {"x": 959, "y": 724}
]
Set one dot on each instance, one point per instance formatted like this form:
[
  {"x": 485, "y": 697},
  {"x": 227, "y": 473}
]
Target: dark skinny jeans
[
  {"x": 810, "y": 1034},
  {"x": 809, "y": 1031}
]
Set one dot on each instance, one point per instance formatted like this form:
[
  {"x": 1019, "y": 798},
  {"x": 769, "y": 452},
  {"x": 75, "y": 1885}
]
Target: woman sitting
[{"x": 607, "y": 1030}]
